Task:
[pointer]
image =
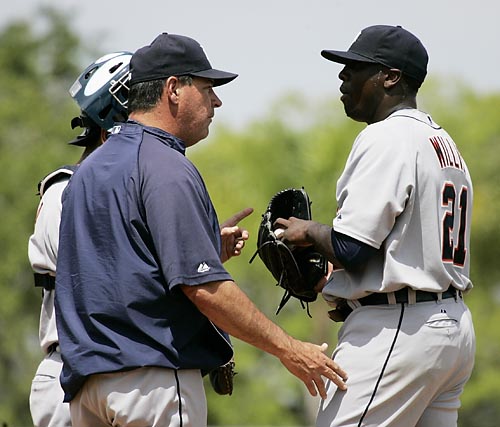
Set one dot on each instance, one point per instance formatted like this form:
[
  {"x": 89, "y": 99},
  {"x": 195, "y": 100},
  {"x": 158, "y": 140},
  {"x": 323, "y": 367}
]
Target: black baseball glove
[
  {"x": 221, "y": 378},
  {"x": 297, "y": 269}
]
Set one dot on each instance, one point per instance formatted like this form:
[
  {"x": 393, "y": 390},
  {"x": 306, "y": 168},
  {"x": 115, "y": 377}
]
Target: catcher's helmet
[{"x": 101, "y": 92}]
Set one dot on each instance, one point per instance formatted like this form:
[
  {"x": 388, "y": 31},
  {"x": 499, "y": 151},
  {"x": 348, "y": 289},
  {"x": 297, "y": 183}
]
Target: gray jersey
[
  {"x": 391, "y": 198},
  {"x": 42, "y": 252},
  {"x": 46, "y": 396}
]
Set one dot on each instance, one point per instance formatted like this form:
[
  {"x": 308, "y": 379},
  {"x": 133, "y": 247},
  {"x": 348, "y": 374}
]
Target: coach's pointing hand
[{"x": 233, "y": 237}]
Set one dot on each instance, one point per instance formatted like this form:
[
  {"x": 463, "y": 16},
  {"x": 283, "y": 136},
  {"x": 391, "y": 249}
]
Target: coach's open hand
[
  {"x": 309, "y": 363},
  {"x": 228, "y": 307}
]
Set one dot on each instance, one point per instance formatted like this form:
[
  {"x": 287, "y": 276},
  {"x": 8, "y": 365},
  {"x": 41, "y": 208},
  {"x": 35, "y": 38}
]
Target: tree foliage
[
  {"x": 35, "y": 112},
  {"x": 295, "y": 144}
]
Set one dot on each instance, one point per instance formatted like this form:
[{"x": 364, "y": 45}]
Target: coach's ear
[{"x": 172, "y": 89}]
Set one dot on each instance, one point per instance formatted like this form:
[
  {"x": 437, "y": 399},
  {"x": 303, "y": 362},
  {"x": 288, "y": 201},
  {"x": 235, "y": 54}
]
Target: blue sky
[{"x": 274, "y": 45}]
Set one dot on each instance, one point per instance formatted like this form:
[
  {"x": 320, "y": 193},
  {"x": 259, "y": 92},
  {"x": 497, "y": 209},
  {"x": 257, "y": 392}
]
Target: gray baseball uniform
[
  {"x": 406, "y": 191},
  {"x": 46, "y": 397}
]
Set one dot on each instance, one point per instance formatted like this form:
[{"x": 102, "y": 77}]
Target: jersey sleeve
[
  {"x": 44, "y": 242},
  {"x": 375, "y": 186},
  {"x": 183, "y": 223}
]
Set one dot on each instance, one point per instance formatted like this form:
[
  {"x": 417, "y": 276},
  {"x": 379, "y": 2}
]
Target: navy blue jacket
[{"x": 137, "y": 221}]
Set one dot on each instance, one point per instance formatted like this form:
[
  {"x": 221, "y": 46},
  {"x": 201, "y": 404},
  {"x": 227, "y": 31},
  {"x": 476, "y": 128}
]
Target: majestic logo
[{"x": 203, "y": 268}]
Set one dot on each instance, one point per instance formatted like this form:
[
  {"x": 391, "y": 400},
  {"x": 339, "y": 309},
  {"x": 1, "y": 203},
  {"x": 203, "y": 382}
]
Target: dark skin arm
[{"x": 300, "y": 232}]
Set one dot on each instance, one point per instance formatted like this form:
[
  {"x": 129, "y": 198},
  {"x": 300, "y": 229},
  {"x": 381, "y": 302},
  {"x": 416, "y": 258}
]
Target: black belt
[
  {"x": 402, "y": 296},
  {"x": 45, "y": 281},
  {"x": 343, "y": 309}
]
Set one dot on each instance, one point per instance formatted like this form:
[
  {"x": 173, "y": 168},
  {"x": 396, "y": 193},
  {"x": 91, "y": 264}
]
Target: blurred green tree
[
  {"x": 294, "y": 144},
  {"x": 35, "y": 112}
]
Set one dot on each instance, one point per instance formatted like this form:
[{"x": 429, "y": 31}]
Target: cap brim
[
  {"x": 344, "y": 57},
  {"x": 219, "y": 77}
]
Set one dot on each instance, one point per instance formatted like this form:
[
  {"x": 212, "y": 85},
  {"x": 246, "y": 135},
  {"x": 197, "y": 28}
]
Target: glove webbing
[{"x": 287, "y": 295}]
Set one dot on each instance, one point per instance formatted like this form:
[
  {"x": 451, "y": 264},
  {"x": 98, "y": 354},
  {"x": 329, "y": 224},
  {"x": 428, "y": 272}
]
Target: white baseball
[{"x": 278, "y": 232}]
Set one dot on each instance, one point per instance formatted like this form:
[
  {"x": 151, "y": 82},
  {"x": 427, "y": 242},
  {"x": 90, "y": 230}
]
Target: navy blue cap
[
  {"x": 392, "y": 46},
  {"x": 174, "y": 55}
]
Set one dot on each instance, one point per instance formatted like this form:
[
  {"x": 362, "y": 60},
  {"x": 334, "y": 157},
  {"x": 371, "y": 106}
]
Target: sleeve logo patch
[{"x": 203, "y": 268}]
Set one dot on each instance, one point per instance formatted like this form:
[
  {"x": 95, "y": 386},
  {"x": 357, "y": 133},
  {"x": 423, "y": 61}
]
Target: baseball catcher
[{"x": 296, "y": 269}]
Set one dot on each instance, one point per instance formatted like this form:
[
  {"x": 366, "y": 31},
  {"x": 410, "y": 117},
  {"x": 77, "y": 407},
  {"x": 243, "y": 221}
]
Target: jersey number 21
[{"x": 455, "y": 215}]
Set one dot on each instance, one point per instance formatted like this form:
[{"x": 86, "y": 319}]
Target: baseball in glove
[
  {"x": 297, "y": 269},
  {"x": 221, "y": 378}
]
